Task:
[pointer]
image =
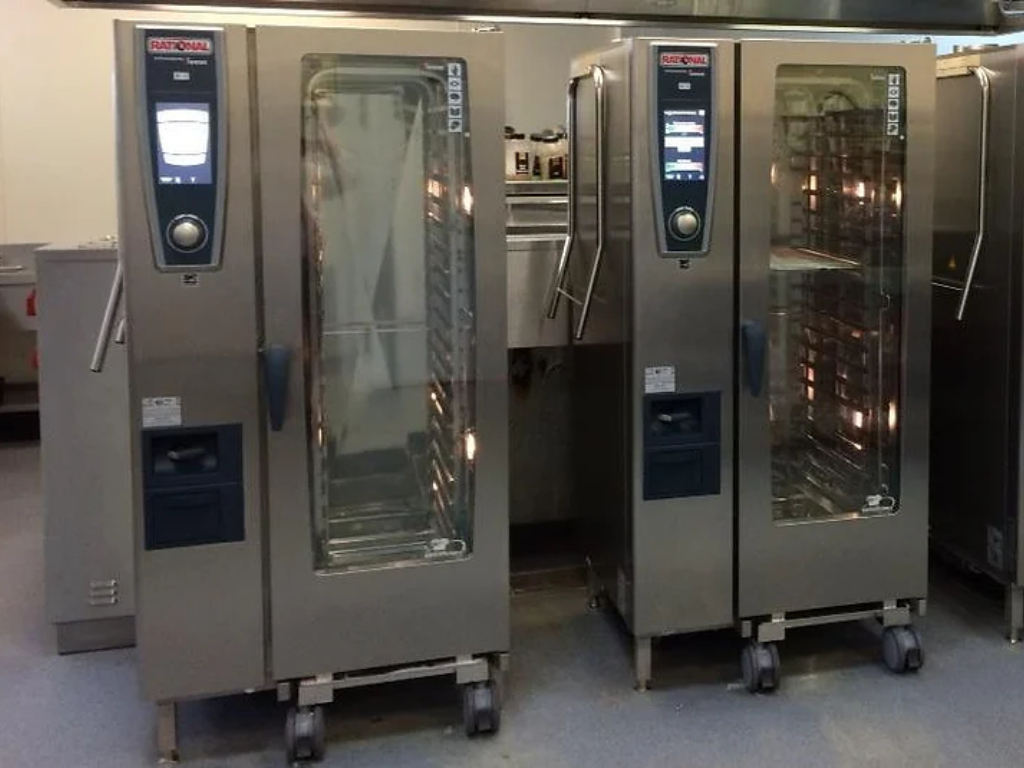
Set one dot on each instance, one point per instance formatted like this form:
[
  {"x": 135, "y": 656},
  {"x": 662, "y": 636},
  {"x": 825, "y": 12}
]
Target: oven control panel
[
  {"x": 183, "y": 125},
  {"x": 683, "y": 126}
]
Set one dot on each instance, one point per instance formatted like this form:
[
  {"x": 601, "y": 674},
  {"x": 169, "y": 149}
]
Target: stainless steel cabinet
[{"x": 90, "y": 586}]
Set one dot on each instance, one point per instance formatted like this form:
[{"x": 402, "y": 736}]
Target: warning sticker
[
  {"x": 161, "y": 412},
  {"x": 659, "y": 378}
]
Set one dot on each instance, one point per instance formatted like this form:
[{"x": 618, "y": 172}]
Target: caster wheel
[
  {"x": 598, "y": 601},
  {"x": 304, "y": 735},
  {"x": 901, "y": 649},
  {"x": 761, "y": 667},
  {"x": 481, "y": 710}
]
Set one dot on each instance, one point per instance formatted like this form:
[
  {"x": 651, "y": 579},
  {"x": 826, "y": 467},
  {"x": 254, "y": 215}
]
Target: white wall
[
  {"x": 57, "y": 118},
  {"x": 3, "y": 208},
  {"x": 537, "y": 59},
  {"x": 57, "y": 152}
]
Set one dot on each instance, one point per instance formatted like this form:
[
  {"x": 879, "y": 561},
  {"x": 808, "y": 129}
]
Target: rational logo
[
  {"x": 202, "y": 46},
  {"x": 685, "y": 59}
]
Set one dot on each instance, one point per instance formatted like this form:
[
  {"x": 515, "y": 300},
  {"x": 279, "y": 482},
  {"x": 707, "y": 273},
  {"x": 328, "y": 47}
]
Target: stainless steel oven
[
  {"x": 311, "y": 229},
  {"x": 748, "y": 281},
  {"x": 976, "y": 321}
]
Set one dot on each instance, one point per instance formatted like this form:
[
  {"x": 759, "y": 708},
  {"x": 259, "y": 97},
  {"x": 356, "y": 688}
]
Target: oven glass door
[{"x": 388, "y": 241}]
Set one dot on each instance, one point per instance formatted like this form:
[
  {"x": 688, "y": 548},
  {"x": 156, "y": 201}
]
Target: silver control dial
[
  {"x": 684, "y": 223},
  {"x": 187, "y": 233}
]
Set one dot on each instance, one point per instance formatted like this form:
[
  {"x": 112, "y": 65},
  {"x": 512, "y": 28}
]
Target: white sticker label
[
  {"x": 660, "y": 378},
  {"x": 161, "y": 412}
]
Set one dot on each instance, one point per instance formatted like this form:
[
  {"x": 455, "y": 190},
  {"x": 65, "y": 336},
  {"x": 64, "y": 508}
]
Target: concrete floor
[{"x": 569, "y": 697}]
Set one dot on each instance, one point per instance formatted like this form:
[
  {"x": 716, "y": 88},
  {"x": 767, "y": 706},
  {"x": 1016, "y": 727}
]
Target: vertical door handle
[
  {"x": 979, "y": 237},
  {"x": 557, "y": 290},
  {"x": 276, "y": 362},
  {"x": 597, "y": 73},
  {"x": 558, "y": 281},
  {"x": 99, "y": 353},
  {"x": 754, "y": 345}
]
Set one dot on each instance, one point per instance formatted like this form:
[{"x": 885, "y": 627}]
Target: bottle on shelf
[{"x": 518, "y": 156}]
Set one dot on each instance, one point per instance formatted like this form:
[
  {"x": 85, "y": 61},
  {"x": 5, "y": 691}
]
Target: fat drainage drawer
[
  {"x": 192, "y": 486},
  {"x": 682, "y": 445}
]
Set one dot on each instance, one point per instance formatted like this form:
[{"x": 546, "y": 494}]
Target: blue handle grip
[
  {"x": 276, "y": 362},
  {"x": 754, "y": 345}
]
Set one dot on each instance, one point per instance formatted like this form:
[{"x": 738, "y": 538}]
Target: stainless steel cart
[{"x": 83, "y": 419}]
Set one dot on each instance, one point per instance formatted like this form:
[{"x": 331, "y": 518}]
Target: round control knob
[
  {"x": 684, "y": 223},
  {"x": 186, "y": 233}
]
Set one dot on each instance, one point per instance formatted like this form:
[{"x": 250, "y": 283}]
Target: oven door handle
[
  {"x": 276, "y": 365},
  {"x": 557, "y": 288},
  {"x": 99, "y": 352},
  {"x": 979, "y": 237},
  {"x": 755, "y": 343},
  {"x": 558, "y": 283}
]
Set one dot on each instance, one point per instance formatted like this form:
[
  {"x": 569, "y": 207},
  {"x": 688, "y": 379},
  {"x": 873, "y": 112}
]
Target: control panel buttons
[
  {"x": 684, "y": 223},
  {"x": 186, "y": 233}
]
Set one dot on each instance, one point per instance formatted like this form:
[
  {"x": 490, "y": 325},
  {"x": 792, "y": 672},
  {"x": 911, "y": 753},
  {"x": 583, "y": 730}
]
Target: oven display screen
[
  {"x": 684, "y": 152},
  {"x": 183, "y": 143}
]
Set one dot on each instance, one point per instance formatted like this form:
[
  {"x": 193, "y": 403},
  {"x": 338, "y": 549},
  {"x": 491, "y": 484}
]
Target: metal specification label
[
  {"x": 659, "y": 379},
  {"x": 161, "y": 412}
]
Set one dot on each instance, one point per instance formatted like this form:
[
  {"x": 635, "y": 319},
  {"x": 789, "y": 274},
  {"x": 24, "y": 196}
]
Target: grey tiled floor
[{"x": 569, "y": 698}]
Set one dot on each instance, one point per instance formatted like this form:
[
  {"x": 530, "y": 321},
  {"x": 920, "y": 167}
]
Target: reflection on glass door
[
  {"x": 837, "y": 273},
  {"x": 388, "y": 260}
]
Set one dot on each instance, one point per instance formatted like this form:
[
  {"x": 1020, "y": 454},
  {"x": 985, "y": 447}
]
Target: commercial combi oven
[
  {"x": 747, "y": 272},
  {"x": 976, "y": 352},
  {"x": 312, "y": 234}
]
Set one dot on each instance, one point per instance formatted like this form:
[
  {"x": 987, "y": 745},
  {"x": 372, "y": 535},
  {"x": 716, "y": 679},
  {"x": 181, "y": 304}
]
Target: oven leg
[
  {"x": 1014, "y": 612},
  {"x": 642, "y": 662},
  {"x": 167, "y": 732}
]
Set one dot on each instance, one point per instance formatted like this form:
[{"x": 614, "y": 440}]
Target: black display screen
[
  {"x": 685, "y": 149},
  {"x": 183, "y": 133}
]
